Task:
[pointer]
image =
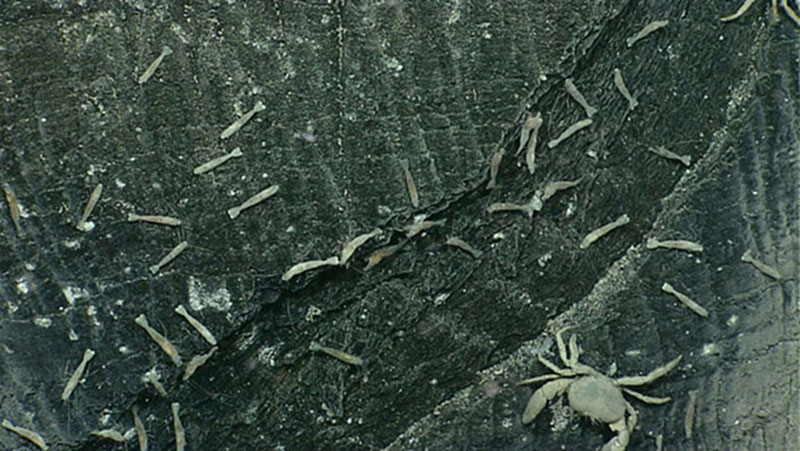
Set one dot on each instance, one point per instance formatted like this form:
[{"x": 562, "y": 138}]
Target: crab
[{"x": 592, "y": 393}]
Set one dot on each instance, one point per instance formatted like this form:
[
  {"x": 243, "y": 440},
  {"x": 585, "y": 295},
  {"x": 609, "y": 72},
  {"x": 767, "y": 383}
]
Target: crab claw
[{"x": 540, "y": 397}]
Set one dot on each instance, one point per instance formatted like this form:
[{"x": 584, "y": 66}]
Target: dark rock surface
[{"x": 352, "y": 88}]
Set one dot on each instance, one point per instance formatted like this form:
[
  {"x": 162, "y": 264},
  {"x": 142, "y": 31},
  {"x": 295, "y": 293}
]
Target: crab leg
[
  {"x": 571, "y": 361},
  {"x": 562, "y": 348},
  {"x": 533, "y": 380},
  {"x": 585, "y": 370},
  {"x": 742, "y": 9},
  {"x": 574, "y": 351},
  {"x": 790, "y": 12},
  {"x": 633, "y": 417},
  {"x": 645, "y": 398},
  {"x": 552, "y": 367},
  {"x": 653, "y": 375}
]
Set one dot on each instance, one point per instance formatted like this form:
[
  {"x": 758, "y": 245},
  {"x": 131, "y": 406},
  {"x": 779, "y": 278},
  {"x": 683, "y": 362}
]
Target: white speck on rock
[
  {"x": 129, "y": 434},
  {"x": 393, "y": 63},
  {"x": 266, "y": 355},
  {"x": 22, "y": 286},
  {"x": 313, "y": 313},
  {"x": 542, "y": 261},
  {"x": 711, "y": 349},
  {"x": 74, "y": 293},
  {"x": 87, "y": 226},
  {"x": 202, "y": 296},
  {"x": 561, "y": 416},
  {"x": 105, "y": 417},
  {"x": 72, "y": 244},
  {"x": 43, "y": 322},
  {"x": 91, "y": 311}
]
